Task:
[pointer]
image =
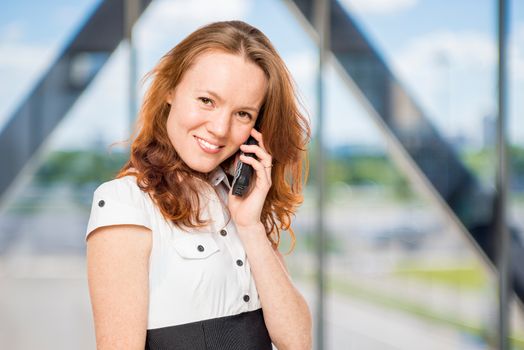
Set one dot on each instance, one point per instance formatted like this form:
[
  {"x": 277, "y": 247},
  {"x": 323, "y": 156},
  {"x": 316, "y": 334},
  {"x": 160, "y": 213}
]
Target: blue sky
[{"x": 443, "y": 52}]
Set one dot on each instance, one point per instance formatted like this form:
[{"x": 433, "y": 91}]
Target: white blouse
[{"x": 193, "y": 276}]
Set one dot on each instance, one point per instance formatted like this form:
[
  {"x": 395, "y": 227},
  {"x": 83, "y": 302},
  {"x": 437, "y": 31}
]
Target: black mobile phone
[{"x": 243, "y": 172}]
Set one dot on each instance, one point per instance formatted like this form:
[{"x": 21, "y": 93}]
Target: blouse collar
[{"x": 217, "y": 176}]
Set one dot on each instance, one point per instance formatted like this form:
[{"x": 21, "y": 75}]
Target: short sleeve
[{"x": 118, "y": 202}]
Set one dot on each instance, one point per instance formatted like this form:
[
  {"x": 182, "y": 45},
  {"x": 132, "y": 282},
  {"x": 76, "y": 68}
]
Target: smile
[{"x": 206, "y": 146}]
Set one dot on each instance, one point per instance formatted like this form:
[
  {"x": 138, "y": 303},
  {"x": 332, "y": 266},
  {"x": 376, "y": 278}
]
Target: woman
[{"x": 175, "y": 260}]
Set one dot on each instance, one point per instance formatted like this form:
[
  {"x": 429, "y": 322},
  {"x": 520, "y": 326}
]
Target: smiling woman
[
  {"x": 209, "y": 118},
  {"x": 175, "y": 260}
]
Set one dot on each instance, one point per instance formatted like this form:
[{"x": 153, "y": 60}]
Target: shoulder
[
  {"x": 124, "y": 189},
  {"x": 119, "y": 202}
]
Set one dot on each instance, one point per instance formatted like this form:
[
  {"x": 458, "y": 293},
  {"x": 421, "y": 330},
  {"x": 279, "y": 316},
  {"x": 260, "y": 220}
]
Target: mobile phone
[{"x": 243, "y": 172}]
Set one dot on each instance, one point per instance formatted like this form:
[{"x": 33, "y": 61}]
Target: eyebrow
[{"x": 217, "y": 96}]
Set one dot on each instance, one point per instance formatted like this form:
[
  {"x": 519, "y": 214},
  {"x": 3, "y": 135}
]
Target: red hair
[{"x": 170, "y": 182}]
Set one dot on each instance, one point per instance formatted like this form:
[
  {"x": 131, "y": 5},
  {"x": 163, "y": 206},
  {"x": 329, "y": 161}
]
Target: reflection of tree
[
  {"x": 360, "y": 167},
  {"x": 516, "y": 155},
  {"x": 79, "y": 168},
  {"x": 481, "y": 163},
  {"x": 365, "y": 168}
]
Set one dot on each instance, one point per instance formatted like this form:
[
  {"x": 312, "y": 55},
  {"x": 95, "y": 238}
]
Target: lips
[{"x": 208, "y": 146}]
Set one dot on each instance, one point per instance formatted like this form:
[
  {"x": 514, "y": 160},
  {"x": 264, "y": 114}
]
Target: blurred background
[{"x": 409, "y": 113}]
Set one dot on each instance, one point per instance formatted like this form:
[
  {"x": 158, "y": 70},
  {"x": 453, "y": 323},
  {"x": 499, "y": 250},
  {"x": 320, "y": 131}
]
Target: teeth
[{"x": 207, "y": 144}]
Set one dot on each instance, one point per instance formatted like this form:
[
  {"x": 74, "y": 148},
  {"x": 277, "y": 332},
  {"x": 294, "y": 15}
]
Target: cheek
[
  {"x": 240, "y": 135},
  {"x": 171, "y": 125},
  {"x": 179, "y": 119}
]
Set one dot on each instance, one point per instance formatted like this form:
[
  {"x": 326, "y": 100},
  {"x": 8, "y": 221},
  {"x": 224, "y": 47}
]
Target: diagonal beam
[
  {"x": 426, "y": 156},
  {"x": 59, "y": 88}
]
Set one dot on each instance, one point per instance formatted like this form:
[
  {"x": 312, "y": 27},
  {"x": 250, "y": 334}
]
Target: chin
[{"x": 202, "y": 168}]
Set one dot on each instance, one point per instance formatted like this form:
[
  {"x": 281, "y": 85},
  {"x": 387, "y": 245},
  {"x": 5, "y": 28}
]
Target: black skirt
[{"x": 244, "y": 331}]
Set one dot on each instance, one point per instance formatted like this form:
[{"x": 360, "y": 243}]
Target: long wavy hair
[{"x": 174, "y": 186}]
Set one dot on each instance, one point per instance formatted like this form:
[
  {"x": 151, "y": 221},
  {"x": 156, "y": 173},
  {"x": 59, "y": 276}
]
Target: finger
[
  {"x": 261, "y": 171},
  {"x": 263, "y": 157},
  {"x": 261, "y": 154},
  {"x": 258, "y": 136}
]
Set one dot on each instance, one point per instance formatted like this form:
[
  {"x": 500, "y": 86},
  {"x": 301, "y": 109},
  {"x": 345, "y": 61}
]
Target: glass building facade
[{"x": 410, "y": 108}]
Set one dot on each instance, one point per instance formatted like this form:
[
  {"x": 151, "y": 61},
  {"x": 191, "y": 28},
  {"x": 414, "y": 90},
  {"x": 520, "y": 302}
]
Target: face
[{"x": 214, "y": 108}]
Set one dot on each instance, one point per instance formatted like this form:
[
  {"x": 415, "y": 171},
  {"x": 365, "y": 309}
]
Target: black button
[
  {"x": 101, "y": 203},
  {"x": 200, "y": 248},
  {"x": 239, "y": 262},
  {"x": 246, "y": 298},
  {"x": 223, "y": 232}
]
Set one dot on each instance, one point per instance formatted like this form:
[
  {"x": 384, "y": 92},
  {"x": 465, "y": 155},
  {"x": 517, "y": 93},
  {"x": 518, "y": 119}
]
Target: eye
[
  {"x": 206, "y": 101},
  {"x": 245, "y": 115}
]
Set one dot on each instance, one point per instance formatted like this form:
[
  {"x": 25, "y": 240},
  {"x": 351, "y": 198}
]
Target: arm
[
  {"x": 117, "y": 271},
  {"x": 286, "y": 312}
]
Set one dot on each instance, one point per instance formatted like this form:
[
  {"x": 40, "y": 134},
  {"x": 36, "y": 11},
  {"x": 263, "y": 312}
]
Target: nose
[{"x": 219, "y": 123}]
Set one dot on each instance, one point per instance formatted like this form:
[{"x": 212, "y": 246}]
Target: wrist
[
  {"x": 256, "y": 228},
  {"x": 253, "y": 233}
]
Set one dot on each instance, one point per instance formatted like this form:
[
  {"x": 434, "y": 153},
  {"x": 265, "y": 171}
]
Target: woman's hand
[{"x": 246, "y": 210}]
